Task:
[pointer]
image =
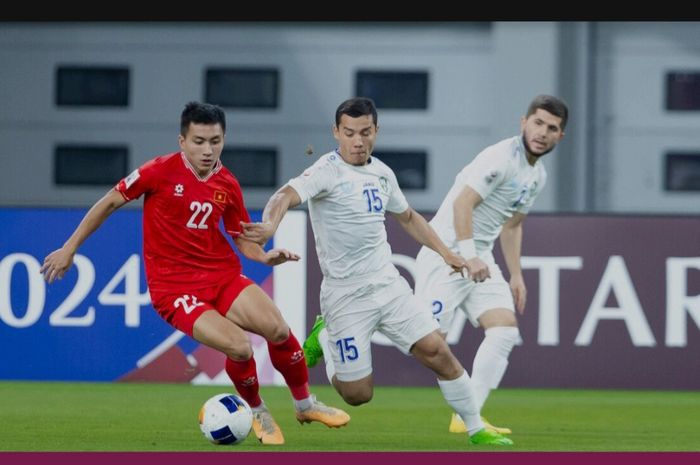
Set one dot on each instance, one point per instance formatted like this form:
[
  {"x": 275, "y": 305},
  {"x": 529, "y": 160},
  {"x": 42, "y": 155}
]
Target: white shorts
[
  {"x": 353, "y": 312},
  {"x": 448, "y": 291}
]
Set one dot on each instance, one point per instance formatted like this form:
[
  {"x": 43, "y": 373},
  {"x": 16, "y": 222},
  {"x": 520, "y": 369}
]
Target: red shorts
[{"x": 180, "y": 306}]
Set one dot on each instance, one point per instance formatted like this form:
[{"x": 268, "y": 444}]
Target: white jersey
[
  {"x": 506, "y": 182},
  {"x": 347, "y": 205}
]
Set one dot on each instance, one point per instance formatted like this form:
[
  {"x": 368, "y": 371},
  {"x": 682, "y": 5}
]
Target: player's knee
[
  {"x": 430, "y": 347},
  {"x": 239, "y": 350},
  {"x": 356, "y": 398},
  {"x": 355, "y": 392},
  {"x": 507, "y": 336},
  {"x": 436, "y": 355},
  {"x": 278, "y": 334}
]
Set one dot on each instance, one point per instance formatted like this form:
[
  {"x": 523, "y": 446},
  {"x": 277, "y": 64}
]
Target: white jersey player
[
  {"x": 489, "y": 198},
  {"x": 347, "y": 204},
  {"x": 349, "y": 192}
]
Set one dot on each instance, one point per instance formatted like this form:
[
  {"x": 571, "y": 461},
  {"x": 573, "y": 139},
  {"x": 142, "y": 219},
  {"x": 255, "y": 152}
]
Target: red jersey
[{"x": 182, "y": 242}]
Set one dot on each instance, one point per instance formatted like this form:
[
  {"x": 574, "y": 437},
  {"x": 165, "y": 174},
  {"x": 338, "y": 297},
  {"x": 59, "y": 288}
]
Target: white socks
[
  {"x": 491, "y": 360},
  {"x": 260, "y": 408},
  {"x": 303, "y": 404},
  {"x": 459, "y": 394}
]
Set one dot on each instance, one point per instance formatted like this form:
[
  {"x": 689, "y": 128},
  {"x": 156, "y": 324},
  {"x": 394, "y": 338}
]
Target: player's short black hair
[
  {"x": 356, "y": 107},
  {"x": 553, "y": 105},
  {"x": 201, "y": 113}
]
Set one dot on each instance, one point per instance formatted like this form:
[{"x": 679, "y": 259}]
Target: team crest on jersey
[
  {"x": 179, "y": 190},
  {"x": 384, "y": 184},
  {"x": 491, "y": 176},
  {"x": 219, "y": 196},
  {"x": 129, "y": 180}
]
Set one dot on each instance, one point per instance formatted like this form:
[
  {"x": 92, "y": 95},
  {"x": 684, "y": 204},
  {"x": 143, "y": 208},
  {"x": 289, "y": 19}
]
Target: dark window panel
[
  {"x": 252, "y": 166},
  {"x": 90, "y": 164},
  {"x": 683, "y": 91},
  {"x": 242, "y": 87},
  {"x": 92, "y": 86},
  {"x": 405, "y": 90},
  {"x": 410, "y": 167},
  {"x": 682, "y": 172}
]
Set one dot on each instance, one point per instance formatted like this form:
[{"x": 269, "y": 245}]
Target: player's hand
[
  {"x": 517, "y": 287},
  {"x": 456, "y": 261},
  {"x": 278, "y": 256},
  {"x": 478, "y": 270},
  {"x": 56, "y": 264},
  {"x": 256, "y": 232}
]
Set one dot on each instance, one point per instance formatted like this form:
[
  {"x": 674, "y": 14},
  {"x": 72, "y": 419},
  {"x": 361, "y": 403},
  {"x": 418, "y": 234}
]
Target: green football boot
[
  {"x": 489, "y": 438},
  {"x": 312, "y": 347}
]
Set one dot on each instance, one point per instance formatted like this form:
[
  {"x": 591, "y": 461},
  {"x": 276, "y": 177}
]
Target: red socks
[
  {"x": 288, "y": 358},
  {"x": 245, "y": 377}
]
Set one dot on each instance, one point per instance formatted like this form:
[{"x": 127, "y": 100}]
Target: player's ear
[
  {"x": 336, "y": 132},
  {"x": 181, "y": 141}
]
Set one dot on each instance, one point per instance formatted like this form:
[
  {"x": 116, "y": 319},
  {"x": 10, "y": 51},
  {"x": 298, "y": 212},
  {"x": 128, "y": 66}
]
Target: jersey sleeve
[
  {"x": 235, "y": 211},
  {"x": 486, "y": 172},
  {"x": 316, "y": 180},
  {"x": 397, "y": 201},
  {"x": 143, "y": 179}
]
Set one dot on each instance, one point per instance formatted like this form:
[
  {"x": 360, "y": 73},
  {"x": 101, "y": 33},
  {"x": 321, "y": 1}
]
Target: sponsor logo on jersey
[
  {"x": 129, "y": 180},
  {"x": 179, "y": 189}
]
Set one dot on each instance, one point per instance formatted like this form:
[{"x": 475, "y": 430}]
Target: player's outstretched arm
[
  {"x": 281, "y": 201},
  {"x": 254, "y": 251},
  {"x": 58, "y": 262}
]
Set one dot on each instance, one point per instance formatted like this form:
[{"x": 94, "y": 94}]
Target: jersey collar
[
  {"x": 337, "y": 152},
  {"x": 189, "y": 166}
]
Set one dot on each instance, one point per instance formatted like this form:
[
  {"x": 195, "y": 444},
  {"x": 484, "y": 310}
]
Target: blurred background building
[{"x": 84, "y": 103}]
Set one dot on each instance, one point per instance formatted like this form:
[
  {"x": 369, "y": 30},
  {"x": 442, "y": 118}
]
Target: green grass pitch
[{"x": 76, "y": 417}]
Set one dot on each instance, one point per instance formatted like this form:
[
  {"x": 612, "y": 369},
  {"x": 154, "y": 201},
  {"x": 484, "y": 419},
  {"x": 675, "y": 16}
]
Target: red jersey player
[{"x": 194, "y": 276}]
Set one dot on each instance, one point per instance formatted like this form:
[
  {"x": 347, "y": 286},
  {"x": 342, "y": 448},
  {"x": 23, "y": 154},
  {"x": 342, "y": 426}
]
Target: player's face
[
  {"x": 541, "y": 132},
  {"x": 202, "y": 146},
  {"x": 355, "y": 138}
]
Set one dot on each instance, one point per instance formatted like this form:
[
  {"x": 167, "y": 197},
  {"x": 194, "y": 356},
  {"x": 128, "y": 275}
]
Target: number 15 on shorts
[{"x": 347, "y": 349}]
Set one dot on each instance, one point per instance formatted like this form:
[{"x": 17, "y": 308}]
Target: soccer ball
[{"x": 225, "y": 419}]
